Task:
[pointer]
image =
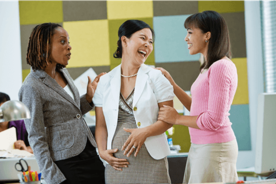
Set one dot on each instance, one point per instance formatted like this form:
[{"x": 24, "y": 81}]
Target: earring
[{"x": 206, "y": 41}]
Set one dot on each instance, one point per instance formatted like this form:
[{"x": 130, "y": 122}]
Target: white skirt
[{"x": 212, "y": 163}]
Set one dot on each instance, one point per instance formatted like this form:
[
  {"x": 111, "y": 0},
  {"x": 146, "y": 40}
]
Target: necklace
[{"x": 129, "y": 75}]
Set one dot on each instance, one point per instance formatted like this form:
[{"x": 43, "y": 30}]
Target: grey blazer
[{"x": 56, "y": 129}]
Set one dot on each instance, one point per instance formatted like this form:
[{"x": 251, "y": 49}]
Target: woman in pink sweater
[{"x": 213, "y": 153}]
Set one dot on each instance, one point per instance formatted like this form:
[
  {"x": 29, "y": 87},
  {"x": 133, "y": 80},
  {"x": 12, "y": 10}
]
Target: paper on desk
[
  {"x": 82, "y": 80},
  {"x": 15, "y": 153},
  {"x": 8, "y": 137}
]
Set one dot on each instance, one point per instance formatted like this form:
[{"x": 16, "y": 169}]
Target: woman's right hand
[
  {"x": 116, "y": 163},
  {"x": 167, "y": 75}
]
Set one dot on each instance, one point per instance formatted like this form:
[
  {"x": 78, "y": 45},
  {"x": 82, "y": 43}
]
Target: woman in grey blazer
[{"x": 63, "y": 144}]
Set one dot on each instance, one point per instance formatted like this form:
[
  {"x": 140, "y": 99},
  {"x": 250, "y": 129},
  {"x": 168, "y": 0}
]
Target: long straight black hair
[{"x": 219, "y": 43}]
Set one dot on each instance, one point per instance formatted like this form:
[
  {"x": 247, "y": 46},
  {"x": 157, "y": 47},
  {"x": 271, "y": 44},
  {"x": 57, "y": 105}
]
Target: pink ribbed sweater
[{"x": 212, "y": 96}]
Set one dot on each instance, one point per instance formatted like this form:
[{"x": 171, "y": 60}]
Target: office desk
[
  {"x": 250, "y": 172},
  {"x": 8, "y": 173}
]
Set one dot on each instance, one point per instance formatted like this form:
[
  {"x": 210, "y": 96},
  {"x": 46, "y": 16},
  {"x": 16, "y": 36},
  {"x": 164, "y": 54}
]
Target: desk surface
[
  {"x": 178, "y": 155},
  {"x": 8, "y": 171}
]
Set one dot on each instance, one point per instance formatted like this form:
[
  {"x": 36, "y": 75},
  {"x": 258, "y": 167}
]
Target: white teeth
[
  {"x": 143, "y": 52},
  {"x": 189, "y": 45}
]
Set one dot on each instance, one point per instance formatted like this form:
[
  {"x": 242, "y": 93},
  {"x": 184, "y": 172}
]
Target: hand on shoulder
[{"x": 166, "y": 74}]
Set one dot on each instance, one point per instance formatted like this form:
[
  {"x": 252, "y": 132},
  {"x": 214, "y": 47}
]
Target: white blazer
[{"x": 151, "y": 88}]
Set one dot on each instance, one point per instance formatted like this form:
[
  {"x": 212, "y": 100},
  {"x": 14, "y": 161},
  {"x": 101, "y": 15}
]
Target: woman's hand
[
  {"x": 92, "y": 86},
  {"x": 167, "y": 75},
  {"x": 168, "y": 114},
  {"x": 20, "y": 145},
  {"x": 116, "y": 163},
  {"x": 135, "y": 141}
]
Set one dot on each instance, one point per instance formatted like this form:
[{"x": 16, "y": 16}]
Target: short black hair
[
  {"x": 39, "y": 46},
  {"x": 127, "y": 29},
  {"x": 4, "y": 97},
  {"x": 219, "y": 43}
]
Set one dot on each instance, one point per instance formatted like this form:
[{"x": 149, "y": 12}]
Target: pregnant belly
[{"x": 120, "y": 138}]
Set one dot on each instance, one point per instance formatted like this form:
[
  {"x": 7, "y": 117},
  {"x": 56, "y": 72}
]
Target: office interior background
[{"x": 93, "y": 27}]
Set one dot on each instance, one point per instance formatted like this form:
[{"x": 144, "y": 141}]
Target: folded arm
[{"x": 139, "y": 135}]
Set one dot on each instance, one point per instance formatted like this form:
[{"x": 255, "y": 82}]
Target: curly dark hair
[{"x": 39, "y": 46}]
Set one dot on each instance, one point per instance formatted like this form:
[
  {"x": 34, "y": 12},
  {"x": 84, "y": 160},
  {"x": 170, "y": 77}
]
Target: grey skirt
[{"x": 212, "y": 163}]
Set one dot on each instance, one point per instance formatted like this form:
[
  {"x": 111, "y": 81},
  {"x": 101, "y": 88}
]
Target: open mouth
[
  {"x": 189, "y": 46},
  {"x": 143, "y": 53},
  {"x": 68, "y": 55}
]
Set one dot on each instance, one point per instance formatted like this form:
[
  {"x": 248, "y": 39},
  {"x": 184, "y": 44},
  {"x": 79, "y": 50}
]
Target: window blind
[{"x": 268, "y": 22}]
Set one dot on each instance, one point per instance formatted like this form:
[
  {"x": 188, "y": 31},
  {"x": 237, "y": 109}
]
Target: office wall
[
  {"x": 10, "y": 54},
  {"x": 93, "y": 26}
]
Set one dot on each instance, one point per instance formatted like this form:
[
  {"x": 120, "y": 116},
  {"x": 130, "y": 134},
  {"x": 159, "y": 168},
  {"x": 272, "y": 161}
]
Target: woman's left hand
[
  {"x": 92, "y": 86},
  {"x": 135, "y": 141},
  {"x": 168, "y": 114}
]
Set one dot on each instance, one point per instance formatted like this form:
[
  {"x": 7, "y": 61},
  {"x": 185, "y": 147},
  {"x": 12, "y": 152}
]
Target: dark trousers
[{"x": 83, "y": 168}]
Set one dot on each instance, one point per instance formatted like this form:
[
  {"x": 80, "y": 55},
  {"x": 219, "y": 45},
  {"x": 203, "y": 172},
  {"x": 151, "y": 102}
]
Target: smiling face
[
  {"x": 61, "y": 48},
  {"x": 196, "y": 41},
  {"x": 138, "y": 46}
]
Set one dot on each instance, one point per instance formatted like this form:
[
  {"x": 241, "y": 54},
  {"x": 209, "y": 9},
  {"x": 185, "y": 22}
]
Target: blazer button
[
  {"x": 135, "y": 108},
  {"x": 138, "y": 124},
  {"x": 78, "y": 116}
]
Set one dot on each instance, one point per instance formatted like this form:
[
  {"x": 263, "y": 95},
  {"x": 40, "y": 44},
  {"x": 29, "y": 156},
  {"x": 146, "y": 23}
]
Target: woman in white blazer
[{"x": 127, "y": 102}]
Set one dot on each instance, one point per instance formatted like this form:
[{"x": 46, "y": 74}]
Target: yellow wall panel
[
  {"x": 90, "y": 43},
  {"x": 241, "y": 96},
  {"x": 181, "y": 137},
  {"x": 129, "y": 9},
  {"x": 221, "y": 6},
  {"x": 25, "y": 73},
  {"x": 37, "y": 12}
]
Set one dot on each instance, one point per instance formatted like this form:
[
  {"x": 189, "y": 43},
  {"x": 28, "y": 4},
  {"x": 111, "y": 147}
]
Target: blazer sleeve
[
  {"x": 36, "y": 134},
  {"x": 162, "y": 87},
  {"x": 85, "y": 106}
]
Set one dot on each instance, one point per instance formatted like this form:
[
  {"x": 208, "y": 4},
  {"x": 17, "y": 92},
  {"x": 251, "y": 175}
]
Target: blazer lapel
[
  {"x": 116, "y": 84},
  {"x": 51, "y": 83},
  {"x": 141, "y": 81},
  {"x": 72, "y": 86}
]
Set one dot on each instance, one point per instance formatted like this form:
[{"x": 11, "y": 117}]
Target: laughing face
[
  {"x": 139, "y": 45},
  {"x": 196, "y": 41},
  {"x": 61, "y": 48}
]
